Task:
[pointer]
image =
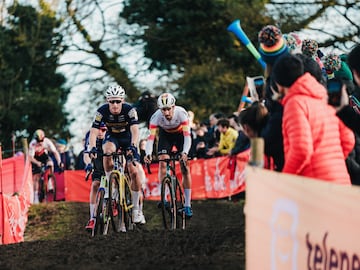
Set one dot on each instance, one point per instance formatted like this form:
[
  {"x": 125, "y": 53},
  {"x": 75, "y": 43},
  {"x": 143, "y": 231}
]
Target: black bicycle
[{"x": 172, "y": 195}]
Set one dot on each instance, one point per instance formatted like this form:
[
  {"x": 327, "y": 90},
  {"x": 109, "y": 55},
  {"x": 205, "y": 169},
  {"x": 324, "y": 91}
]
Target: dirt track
[{"x": 214, "y": 239}]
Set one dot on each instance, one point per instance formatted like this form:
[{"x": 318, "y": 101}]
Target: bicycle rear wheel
[
  {"x": 114, "y": 207},
  {"x": 127, "y": 206},
  {"x": 99, "y": 213},
  {"x": 168, "y": 204}
]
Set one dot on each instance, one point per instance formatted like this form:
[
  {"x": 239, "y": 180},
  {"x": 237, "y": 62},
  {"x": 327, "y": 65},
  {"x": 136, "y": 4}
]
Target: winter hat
[
  {"x": 272, "y": 44},
  {"x": 287, "y": 70},
  {"x": 332, "y": 63},
  {"x": 293, "y": 42},
  {"x": 61, "y": 141},
  {"x": 309, "y": 47}
]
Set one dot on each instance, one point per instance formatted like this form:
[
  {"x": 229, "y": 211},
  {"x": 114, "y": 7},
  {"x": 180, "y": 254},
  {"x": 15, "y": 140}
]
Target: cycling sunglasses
[
  {"x": 115, "y": 101},
  {"x": 166, "y": 109}
]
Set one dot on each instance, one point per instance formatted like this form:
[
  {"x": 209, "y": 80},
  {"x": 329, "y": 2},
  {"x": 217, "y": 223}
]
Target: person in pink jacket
[{"x": 316, "y": 141}]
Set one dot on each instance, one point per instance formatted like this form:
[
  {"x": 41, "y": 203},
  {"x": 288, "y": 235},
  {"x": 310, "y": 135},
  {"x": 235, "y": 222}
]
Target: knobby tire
[
  {"x": 168, "y": 210},
  {"x": 99, "y": 213},
  {"x": 114, "y": 207},
  {"x": 127, "y": 213}
]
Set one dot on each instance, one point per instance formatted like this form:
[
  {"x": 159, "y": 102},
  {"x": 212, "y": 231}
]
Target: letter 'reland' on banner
[{"x": 300, "y": 223}]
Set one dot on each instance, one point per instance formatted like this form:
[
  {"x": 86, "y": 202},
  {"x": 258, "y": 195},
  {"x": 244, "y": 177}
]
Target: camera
[{"x": 334, "y": 91}]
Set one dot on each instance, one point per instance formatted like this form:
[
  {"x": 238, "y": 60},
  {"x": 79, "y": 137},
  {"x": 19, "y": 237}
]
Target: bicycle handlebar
[
  {"x": 88, "y": 173},
  {"x": 117, "y": 154},
  {"x": 173, "y": 157}
]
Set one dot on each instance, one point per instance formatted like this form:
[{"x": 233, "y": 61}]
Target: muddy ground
[{"x": 55, "y": 238}]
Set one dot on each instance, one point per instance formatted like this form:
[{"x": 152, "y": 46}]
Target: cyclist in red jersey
[
  {"x": 39, "y": 149},
  {"x": 174, "y": 130}
]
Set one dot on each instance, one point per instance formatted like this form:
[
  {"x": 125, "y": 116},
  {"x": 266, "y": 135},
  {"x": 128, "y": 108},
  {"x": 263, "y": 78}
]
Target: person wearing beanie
[
  {"x": 347, "y": 112},
  {"x": 310, "y": 123},
  {"x": 66, "y": 154},
  {"x": 332, "y": 63},
  {"x": 337, "y": 69},
  {"x": 271, "y": 44}
]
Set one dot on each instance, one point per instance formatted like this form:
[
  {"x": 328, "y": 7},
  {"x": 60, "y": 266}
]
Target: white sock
[
  {"x": 187, "y": 192},
  {"x": 92, "y": 208},
  {"x": 135, "y": 199}
]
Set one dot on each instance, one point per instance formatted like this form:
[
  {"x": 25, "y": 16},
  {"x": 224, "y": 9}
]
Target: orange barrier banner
[
  {"x": 60, "y": 186},
  {"x": 14, "y": 206},
  {"x": 211, "y": 178},
  {"x": 12, "y": 174},
  {"x": 294, "y": 222},
  {"x": 76, "y": 188}
]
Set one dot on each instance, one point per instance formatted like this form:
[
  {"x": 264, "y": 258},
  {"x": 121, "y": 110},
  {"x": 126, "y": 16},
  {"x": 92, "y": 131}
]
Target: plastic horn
[{"x": 240, "y": 34}]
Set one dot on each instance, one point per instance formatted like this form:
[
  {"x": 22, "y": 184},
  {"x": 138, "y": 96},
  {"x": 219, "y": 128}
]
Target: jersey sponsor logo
[
  {"x": 121, "y": 118},
  {"x": 118, "y": 130},
  {"x": 98, "y": 117},
  {"x": 133, "y": 114},
  {"x": 118, "y": 127}
]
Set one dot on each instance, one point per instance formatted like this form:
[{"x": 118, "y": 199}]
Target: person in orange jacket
[{"x": 316, "y": 141}]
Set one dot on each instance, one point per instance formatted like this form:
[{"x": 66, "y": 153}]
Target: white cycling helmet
[
  {"x": 115, "y": 91},
  {"x": 165, "y": 100}
]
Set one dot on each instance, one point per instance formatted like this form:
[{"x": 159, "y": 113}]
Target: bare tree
[
  {"x": 94, "y": 45},
  {"x": 334, "y": 23}
]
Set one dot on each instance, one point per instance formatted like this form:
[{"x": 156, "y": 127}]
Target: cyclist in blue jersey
[
  {"x": 122, "y": 124},
  {"x": 98, "y": 170}
]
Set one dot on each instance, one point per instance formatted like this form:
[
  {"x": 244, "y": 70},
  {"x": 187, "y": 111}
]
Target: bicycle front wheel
[
  {"x": 168, "y": 204},
  {"x": 180, "y": 201},
  {"x": 114, "y": 207},
  {"x": 99, "y": 213}
]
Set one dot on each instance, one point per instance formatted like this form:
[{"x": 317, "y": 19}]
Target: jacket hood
[{"x": 306, "y": 85}]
